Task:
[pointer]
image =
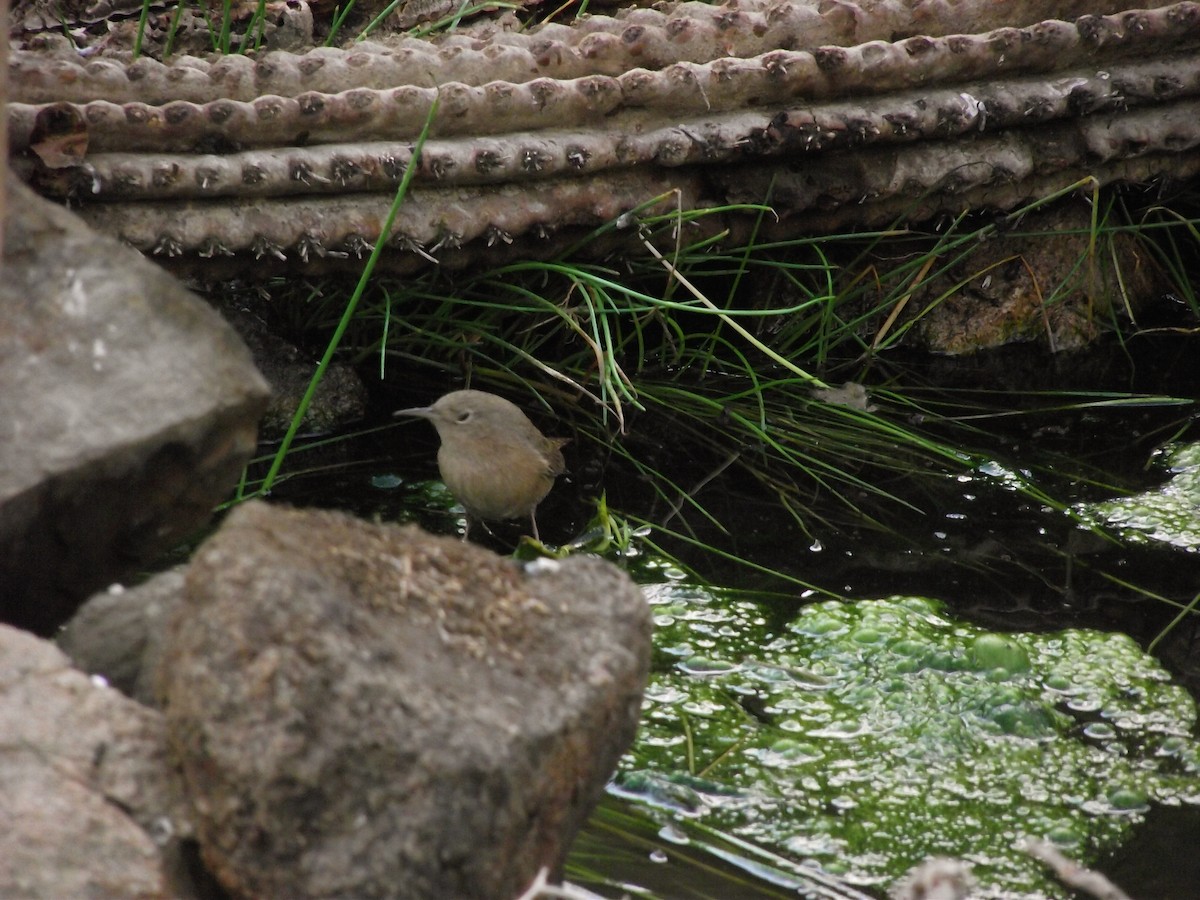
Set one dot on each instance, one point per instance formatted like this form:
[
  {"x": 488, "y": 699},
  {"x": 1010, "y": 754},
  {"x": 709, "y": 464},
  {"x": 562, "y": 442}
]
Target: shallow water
[
  {"x": 862, "y": 737},
  {"x": 994, "y": 560}
]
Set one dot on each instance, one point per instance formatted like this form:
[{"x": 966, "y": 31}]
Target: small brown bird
[{"x": 493, "y": 459}]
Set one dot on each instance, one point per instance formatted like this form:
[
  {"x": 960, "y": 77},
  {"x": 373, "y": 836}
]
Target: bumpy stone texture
[
  {"x": 684, "y": 99},
  {"x": 88, "y": 801},
  {"x": 365, "y": 710},
  {"x": 649, "y": 40},
  {"x": 1026, "y": 288},
  {"x": 117, "y": 634},
  {"x": 128, "y": 411},
  {"x": 361, "y": 151},
  {"x": 339, "y": 399}
]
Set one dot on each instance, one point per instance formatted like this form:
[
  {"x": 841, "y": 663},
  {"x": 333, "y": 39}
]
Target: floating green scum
[
  {"x": 1169, "y": 514},
  {"x": 867, "y": 736}
]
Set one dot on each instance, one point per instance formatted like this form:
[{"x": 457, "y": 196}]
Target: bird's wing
[{"x": 555, "y": 464}]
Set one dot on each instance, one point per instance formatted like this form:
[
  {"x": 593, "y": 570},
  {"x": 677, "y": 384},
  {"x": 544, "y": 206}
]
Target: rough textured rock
[
  {"x": 340, "y": 397},
  {"x": 129, "y": 408},
  {"x": 368, "y": 711},
  {"x": 117, "y": 634},
  {"x": 88, "y": 800},
  {"x": 1048, "y": 284}
]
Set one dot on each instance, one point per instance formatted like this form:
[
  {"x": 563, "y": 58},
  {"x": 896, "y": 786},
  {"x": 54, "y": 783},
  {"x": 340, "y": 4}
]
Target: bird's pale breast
[{"x": 507, "y": 484}]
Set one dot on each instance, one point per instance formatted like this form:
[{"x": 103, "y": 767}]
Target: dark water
[
  {"x": 967, "y": 538},
  {"x": 997, "y": 556}
]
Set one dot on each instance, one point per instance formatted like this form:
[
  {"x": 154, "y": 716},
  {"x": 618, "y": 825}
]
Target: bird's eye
[{"x": 463, "y": 417}]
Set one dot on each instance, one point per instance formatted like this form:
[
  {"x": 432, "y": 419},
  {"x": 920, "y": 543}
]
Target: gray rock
[
  {"x": 128, "y": 410},
  {"x": 89, "y": 802},
  {"x": 118, "y": 633},
  {"x": 369, "y": 711},
  {"x": 340, "y": 397}
]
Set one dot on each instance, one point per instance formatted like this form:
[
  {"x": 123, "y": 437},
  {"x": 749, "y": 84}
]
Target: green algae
[
  {"x": 864, "y": 737},
  {"x": 1168, "y": 514}
]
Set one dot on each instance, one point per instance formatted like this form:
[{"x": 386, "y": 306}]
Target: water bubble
[
  {"x": 1059, "y": 682},
  {"x": 387, "y": 481},
  {"x": 994, "y": 651},
  {"x": 791, "y": 751},
  {"x": 1100, "y": 731},
  {"x": 1128, "y": 799},
  {"x": 866, "y": 636},
  {"x": 703, "y": 665},
  {"x": 674, "y": 834}
]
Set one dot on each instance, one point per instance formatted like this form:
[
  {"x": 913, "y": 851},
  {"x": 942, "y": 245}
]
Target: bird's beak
[{"x": 421, "y": 412}]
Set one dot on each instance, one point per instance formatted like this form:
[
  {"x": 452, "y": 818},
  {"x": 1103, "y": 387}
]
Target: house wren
[{"x": 493, "y": 459}]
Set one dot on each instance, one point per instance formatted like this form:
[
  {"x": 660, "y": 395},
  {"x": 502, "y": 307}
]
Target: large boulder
[
  {"x": 128, "y": 411},
  {"x": 369, "y": 711}
]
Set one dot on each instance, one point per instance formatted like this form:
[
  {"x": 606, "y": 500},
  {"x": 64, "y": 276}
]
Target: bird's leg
[
  {"x": 466, "y": 527},
  {"x": 533, "y": 522}
]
